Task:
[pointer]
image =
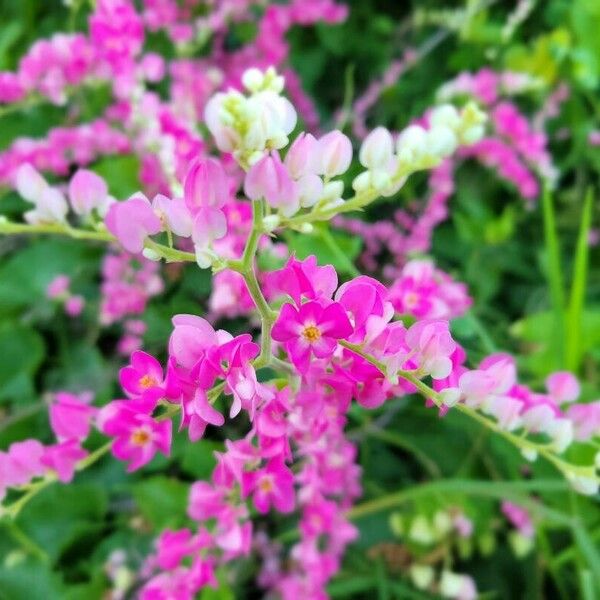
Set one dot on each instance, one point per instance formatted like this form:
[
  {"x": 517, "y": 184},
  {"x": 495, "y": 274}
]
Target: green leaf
[
  {"x": 29, "y": 580},
  {"x": 335, "y": 248},
  {"x": 574, "y": 343},
  {"x": 22, "y": 351},
  {"x": 198, "y": 457},
  {"x": 161, "y": 500},
  {"x": 120, "y": 173},
  {"x": 63, "y": 515},
  {"x": 554, "y": 274},
  {"x": 25, "y": 275}
]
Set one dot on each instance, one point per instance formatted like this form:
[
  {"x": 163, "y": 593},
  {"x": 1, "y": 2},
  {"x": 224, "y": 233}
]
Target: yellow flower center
[
  {"x": 311, "y": 334},
  {"x": 140, "y": 437},
  {"x": 265, "y": 485},
  {"x": 147, "y": 381}
]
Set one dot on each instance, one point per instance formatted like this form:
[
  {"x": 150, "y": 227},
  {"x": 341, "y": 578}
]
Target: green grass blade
[
  {"x": 554, "y": 274},
  {"x": 574, "y": 325}
]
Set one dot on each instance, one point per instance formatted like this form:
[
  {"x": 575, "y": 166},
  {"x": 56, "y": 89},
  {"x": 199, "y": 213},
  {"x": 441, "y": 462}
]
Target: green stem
[
  {"x": 246, "y": 267},
  {"x": 13, "y": 510},
  {"x": 169, "y": 254},
  {"x": 523, "y": 443},
  {"x": 489, "y": 489}
]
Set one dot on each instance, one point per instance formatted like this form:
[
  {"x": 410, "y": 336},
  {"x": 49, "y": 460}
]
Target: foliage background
[{"x": 59, "y": 544}]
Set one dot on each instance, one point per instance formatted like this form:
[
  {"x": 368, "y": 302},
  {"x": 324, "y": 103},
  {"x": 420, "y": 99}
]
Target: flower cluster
[
  {"x": 324, "y": 344},
  {"x": 70, "y": 419}
]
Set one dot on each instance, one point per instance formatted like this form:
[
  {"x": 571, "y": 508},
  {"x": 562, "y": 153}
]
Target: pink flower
[
  {"x": 303, "y": 279},
  {"x": 206, "y": 501},
  {"x": 300, "y": 158},
  {"x": 58, "y": 287},
  {"x": 272, "y": 485},
  {"x": 206, "y": 185},
  {"x": 585, "y": 419},
  {"x": 143, "y": 377},
  {"x": 21, "y": 464},
  {"x": 174, "y": 214},
  {"x": 334, "y": 154},
  {"x": 270, "y": 180},
  {"x": 172, "y": 546},
  {"x": 87, "y": 192},
  {"x": 563, "y": 387},
  {"x": 519, "y": 517},
  {"x": 432, "y": 345},
  {"x": 190, "y": 339},
  {"x": 71, "y": 416},
  {"x": 197, "y": 413},
  {"x": 137, "y": 435},
  {"x": 63, "y": 458},
  {"x": 364, "y": 299},
  {"x": 74, "y": 305},
  {"x": 311, "y": 328},
  {"x": 132, "y": 221}
]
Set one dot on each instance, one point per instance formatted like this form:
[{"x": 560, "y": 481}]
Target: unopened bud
[{"x": 151, "y": 254}]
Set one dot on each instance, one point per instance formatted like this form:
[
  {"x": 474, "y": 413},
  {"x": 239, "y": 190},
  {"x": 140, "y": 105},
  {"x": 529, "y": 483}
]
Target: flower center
[
  {"x": 311, "y": 334},
  {"x": 140, "y": 437},
  {"x": 147, "y": 381},
  {"x": 411, "y": 300},
  {"x": 265, "y": 485}
]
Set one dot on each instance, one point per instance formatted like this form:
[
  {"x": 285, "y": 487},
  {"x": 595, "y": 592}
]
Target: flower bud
[
  {"x": 441, "y": 141},
  {"x": 253, "y": 79},
  {"x": 87, "y": 191},
  {"x": 310, "y": 189},
  {"x": 205, "y": 185},
  {"x": 377, "y": 149},
  {"x": 334, "y": 154},
  {"x": 412, "y": 144},
  {"x": 29, "y": 183},
  {"x": 445, "y": 115},
  {"x": 300, "y": 158},
  {"x": 421, "y": 576},
  {"x": 271, "y": 222},
  {"x": 270, "y": 180}
]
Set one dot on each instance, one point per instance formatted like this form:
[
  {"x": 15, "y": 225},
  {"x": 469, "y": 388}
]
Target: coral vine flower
[
  {"x": 70, "y": 416},
  {"x": 143, "y": 378},
  {"x": 132, "y": 221},
  {"x": 88, "y": 191},
  {"x": 311, "y": 328},
  {"x": 303, "y": 279},
  {"x": 272, "y": 485},
  {"x": 270, "y": 179},
  {"x": 137, "y": 435}
]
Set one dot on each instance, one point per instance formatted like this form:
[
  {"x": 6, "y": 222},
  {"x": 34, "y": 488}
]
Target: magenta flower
[
  {"x": 432, "y": 345},
  {"x": 191, "y": 338},
  {"x": 197, "y": 413},
  {"x": 302, "y": 279},
  {"x": 22, "y": 462},
  {"x": 311, "y": 329},
  {"x": 144, "y": 377},
  {"x": 269, "y": 179},
  {"x": 206, "y": 185},
  {"x": 272, "y": 485},
  {"x": 137, "y": 435},
  {"x": 132, "y": 221},
  {"x": 63, "y": 458},
  {"x": 71, "y": 416}
]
